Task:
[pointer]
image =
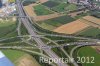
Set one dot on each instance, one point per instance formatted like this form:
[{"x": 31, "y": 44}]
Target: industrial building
[{"x": 78, "y": 1}]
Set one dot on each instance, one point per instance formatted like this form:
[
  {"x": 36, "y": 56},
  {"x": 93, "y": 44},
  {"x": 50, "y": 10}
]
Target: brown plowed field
[
  {"x": 92, "y": 19},
  {"x": 46, "y": 17},
  {"x": 29, "y": 10},
  {"x": 42, "y": 1},
  {"x": 72, "y": 27},
  {"x": 27, "y": 60}
]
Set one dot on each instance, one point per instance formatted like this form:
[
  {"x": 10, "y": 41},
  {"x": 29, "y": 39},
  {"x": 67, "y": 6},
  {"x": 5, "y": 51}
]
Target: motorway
[
  {"x": 25, "y": 19},
  {"x": 28, "y": 26}
]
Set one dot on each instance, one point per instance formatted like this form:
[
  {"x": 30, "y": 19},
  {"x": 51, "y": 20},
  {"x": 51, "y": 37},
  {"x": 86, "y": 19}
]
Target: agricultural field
[
  {"x": 91, "y": 32},
  {"x": 60, "y": 7},
  {"x": 92, "y": 19},
  {"x": 51, "y": 4},
  {"x": 18, "y": 57},
  {"x": 72, "y": 28},
  {"x": 11, "y": 1},
  {"x": 13, "y": 55},
  {"x": 7, "y": 27},
  {"x": 89, "y": 52},
  {"x": 27, "y": 60},
  {"x": 42, "y": 10},
  {"x": 65, "y": 7},
  {"x": 95, "y": 13},
  {"x": 81, "y": 15},
  {"x": 59, "y": 0},
  {"x": 71, "y": 7},
  {"x": 55, "y": 22},
  {"x": 42, "y": 1}
]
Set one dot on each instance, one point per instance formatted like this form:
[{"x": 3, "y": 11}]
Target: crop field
[
  {"x": 11, "y": 1},
  {"x": 89, "y": 52},
  {"x": 27, "y": 60},
  {"x": 46, "y": 26},
  {"x": 72, "y": 27},
  {"x": 81, "y": 15},
  {"x": 13, "y": 55},
  {"x": 7, "y": 27},
  {"x": 65, "y": 7},
  {"x": 42, "y": 1},
  {"x": 61, "y": 7},
  {"x": 71, "y": 7},
  {"x": 30, "y": 11},
  {"x": 95, "y": 13},
  {"x": 47, "y": 17},
  {"x": 19, "y": 57},
  {"x": 56, "y": 22},
  {"x": 42, "y": 10},
  {"x": 92, "y": 19},
  {"x": 51, "y": 4},
  {"x": 91, "y": 32}
]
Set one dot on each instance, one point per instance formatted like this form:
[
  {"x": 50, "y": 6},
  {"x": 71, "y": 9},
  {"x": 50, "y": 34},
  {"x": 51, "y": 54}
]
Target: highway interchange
[{"x": 40, "y": 44}]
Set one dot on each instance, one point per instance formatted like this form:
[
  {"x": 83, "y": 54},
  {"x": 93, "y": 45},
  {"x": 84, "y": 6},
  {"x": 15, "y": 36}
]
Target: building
[
  {"x": 78, "y": 1},
  {"x": 4, "y": 1}
]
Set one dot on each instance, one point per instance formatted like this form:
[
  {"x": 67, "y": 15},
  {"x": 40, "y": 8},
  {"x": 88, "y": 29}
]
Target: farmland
[
  {"x": 71, "y": 7},
  {"x": 13, "y": 55},
  {"x": 91, "y": 32},
  {"x": 60, "y": 7},
  {"x": 11, "y": 1},
  {"x": 65, "y": 7},
  {"x": 27, "y": 60},
  {"x": 42, "y": 10},
  {"x": 92, "y": 19},
  {"x": 50, "y": 4},
  {"x": 43, "y": 1},
  {"x": 72, "y": 27},
  {"x": 6, "y": 27},
  {"x": 89, "y": 52},
  {"x": 56, "y": 22},
  {"x": 18, "y": 57}
]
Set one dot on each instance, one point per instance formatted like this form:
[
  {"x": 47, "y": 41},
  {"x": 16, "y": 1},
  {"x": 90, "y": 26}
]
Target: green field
[
  {"x": 51, "y": 4},
  {"x": 42, "y": 10},
  {"x": 13, "y": 55},
  {"x": 55, "y": 22},
  {"x": 61, "y": 7},
  {"x": 65, "y": 7},
  {"x": 81, "y": 15},
  {"x": 11, "y": 1},
  {"x": 95, "y": 13},
  {"x": 46, "y": 26},
  {"x": 91, "y": 32},
  {"x": 7, "y": 27},
  {"x": 71, "y": 7},
  {"x": 89, "y": 52}
]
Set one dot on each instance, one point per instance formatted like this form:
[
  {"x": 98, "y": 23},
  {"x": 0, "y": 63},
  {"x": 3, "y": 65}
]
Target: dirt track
[{"x": 72, "y": 27}]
